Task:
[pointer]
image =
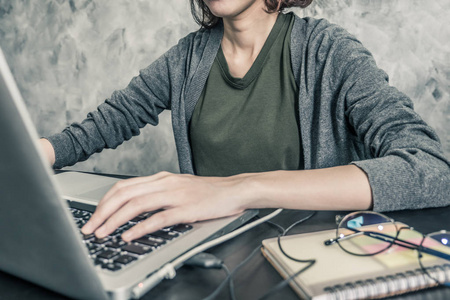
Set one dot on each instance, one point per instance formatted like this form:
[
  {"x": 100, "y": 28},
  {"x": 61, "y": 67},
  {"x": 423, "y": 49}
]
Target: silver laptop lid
[{"x": 38, "y": 241}]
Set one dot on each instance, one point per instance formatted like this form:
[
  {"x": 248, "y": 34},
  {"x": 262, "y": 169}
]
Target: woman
[{"x": 269, "y": 110}]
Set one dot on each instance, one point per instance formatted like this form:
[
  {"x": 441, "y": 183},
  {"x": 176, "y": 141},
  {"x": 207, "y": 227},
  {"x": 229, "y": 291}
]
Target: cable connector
[
  {"x": 205, "y": 260},
  {"x": 168, "y": 271}
]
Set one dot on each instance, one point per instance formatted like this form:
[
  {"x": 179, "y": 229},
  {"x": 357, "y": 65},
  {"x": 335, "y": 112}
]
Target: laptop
[{"x": 42, "y": 213}]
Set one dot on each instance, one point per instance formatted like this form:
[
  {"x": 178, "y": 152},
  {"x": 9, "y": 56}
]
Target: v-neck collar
[{"x": 255, "y": 69}]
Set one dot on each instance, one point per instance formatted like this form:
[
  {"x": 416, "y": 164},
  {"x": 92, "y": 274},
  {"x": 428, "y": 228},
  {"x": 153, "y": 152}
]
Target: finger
[
  {"x": 133, "y": 181},
  {"x": 108, "y": 206},
  {"x": 156, "y": 222},
  {"x": 131, "y": 209},
  {"x": 122, "y": 192}
]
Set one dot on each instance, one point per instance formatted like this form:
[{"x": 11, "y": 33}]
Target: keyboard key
[
  {"x": 80, "y": 223},
  {"x": 101, "y": 241},
  {"x": 116, "y": 244},
  {"x": 137, "y": 249},
  {"x": 139, "y": 218},
  {"x": 122, "y": 229},
  {"x": 149, "y": 242},
  {"x": 125, "y": 259},
  {"x": 93, "y": 248},
  {"x": 99, "y": 261},
  {"x": 164, "y": 235},
  {"x": 79, "y": 213},
  {"x": 108, "y": 254},
  {"x": 112, "y": 266},
  {"x": 125, "y": 226},
  {"x": 181, "y": 228},
  {"x": 87, "y": 237}
]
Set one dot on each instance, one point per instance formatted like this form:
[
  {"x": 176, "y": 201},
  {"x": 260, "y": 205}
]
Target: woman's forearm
[
  {"x": 337, "y": 188},
  {"x": 183, "y": 198}
]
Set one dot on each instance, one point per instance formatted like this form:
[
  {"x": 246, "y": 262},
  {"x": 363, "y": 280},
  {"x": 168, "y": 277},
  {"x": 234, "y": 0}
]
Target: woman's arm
[
  {"x": 350, "y": 114},
  {"x": 48, "y": 150},
  {"x": 126, "y": 111},
  {"x": 336, "y": 188},
  {"x": 189, "y": 198}
]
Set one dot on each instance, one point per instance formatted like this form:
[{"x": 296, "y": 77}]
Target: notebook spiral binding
[{"x": 390, "y": 285}]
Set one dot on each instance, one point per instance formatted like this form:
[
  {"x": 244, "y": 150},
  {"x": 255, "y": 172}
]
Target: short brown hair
[{"x": 204, "y": 17}]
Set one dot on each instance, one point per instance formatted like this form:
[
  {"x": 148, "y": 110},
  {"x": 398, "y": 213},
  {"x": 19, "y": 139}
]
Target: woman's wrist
[{"x": 251, "y": 189}]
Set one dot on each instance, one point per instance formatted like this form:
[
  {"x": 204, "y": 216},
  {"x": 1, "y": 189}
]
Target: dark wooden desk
[{"x": 258, "y": 276}]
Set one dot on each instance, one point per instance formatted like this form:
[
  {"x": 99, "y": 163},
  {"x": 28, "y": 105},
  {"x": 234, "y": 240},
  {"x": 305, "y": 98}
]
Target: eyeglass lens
[
  {"x": 436, "y": 268},
  {"x": 366, "y": 233}
]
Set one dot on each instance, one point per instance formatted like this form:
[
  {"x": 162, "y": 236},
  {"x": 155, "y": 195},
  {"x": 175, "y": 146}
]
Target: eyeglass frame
[{"x": 393, "y": 240}]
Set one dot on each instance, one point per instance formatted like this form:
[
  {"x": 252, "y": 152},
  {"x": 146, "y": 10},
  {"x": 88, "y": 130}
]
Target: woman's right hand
[{"x": 49, "y": 152}]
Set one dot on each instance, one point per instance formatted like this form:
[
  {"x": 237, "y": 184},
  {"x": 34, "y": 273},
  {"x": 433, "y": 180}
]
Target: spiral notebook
[{"x": 339, "y": 275}]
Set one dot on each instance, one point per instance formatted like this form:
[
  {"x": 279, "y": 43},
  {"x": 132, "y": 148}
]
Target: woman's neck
[
  {"x": 244, "y": 37},
  {"x": 248, "y": 31}
]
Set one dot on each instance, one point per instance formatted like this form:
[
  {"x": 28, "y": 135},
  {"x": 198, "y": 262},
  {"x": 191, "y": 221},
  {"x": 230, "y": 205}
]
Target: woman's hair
[{"x": 203, "y": 16}]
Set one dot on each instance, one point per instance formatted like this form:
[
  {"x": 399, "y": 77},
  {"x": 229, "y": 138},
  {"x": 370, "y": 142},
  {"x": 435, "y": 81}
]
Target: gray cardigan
[{"x": 348, "y": 114}]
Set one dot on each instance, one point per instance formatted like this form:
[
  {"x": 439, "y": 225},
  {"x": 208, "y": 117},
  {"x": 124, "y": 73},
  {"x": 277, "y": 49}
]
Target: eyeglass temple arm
[
  {"x": 345, "y": 237},
  {"x": 433, "y": 252},
  {"x": 373, "y": 234},
  {"x": 332, "y": 241},
  {"x": 409, "y": 245}
]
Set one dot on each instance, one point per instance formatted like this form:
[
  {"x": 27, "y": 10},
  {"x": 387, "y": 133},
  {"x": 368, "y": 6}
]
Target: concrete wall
[{"x": 68, "y": 56}]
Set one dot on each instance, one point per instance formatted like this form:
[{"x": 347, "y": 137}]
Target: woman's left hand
[{"x": 182, "y": 198}]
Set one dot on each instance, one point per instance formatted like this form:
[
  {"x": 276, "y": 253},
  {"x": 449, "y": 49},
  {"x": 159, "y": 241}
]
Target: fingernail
[
  {"x": 86, "y": 229},
  {"x": 100, "y": 232},
  {"x": 127, "y": 236}
]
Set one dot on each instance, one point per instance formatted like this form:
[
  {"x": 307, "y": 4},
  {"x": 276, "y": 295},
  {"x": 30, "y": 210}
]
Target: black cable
[
  {"x": 280, "y": 285},
  {"x": 210, "y": 261},
  {"x": 231, "y": 285},
  {"x": 242, "y": 263},
  {"x": 279, "y": 227},
  {"x": 310, "y": 262},
  {"x": 285, "y": 282},
  {"x": 286, "y": 231}
]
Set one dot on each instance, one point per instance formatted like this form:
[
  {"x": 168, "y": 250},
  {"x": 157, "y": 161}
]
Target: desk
[{"x": 255, "y": 278}]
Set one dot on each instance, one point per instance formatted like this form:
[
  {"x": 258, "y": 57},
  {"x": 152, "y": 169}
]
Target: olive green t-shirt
[{"x": 249, "y": 124}]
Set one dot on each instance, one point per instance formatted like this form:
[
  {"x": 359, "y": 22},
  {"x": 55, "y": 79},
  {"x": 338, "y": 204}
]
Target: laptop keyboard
[{"x": 113, "y": 254}]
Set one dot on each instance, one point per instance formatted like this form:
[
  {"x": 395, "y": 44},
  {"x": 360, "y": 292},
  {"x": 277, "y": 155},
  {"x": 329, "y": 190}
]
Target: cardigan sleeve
[
  {"x": 127, "y": 111},
  {"x": 405, "y": 165}
]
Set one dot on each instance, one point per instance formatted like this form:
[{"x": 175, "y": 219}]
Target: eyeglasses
[{"x": 368, "y": 233}]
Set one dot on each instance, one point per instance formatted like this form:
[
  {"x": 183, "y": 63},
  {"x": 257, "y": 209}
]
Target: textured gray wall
[{"x": 68, "y": 56}]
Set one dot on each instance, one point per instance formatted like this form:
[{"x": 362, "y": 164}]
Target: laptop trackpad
[
  {"x": 96, "y": 194},
  {"x": 75, "y": 185}
]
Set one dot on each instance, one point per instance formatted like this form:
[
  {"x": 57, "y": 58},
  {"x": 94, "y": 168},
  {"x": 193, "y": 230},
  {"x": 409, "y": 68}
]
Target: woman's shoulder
[
  {"x": 197, "y": 40},
  {"x": 325, "y": 41},
  {"x": 319, "y": 29}
]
